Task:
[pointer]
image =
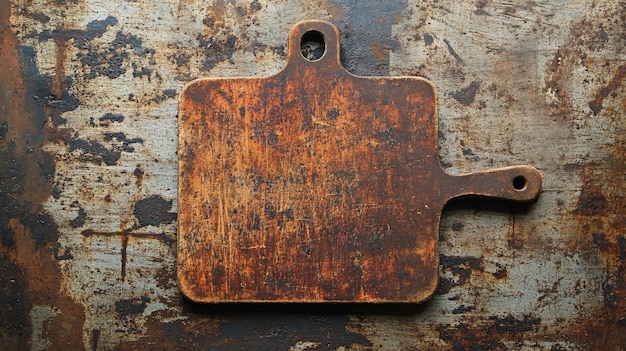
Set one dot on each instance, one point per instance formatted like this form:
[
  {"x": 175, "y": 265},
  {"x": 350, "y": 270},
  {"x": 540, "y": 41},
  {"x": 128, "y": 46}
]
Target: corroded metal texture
[
  {"x": 88, "y": 209},
  {"x": 316, "y": 185}
]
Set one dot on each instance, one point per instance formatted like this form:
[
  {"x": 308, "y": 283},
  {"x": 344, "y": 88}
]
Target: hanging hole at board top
[{"x": 312, "y": 45}]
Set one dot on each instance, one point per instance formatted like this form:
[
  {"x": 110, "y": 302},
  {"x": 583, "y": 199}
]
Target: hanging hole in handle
[
  {"x": 519, "y": 183},
  {"x": 312, "y": 45}
]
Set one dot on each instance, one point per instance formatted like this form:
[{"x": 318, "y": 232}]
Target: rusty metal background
[
  {"x": 88, "y": 171},
  {"x": 316, "y": 185}
]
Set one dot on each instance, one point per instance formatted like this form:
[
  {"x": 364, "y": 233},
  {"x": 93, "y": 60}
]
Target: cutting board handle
[{"x": 516, "y": 183}]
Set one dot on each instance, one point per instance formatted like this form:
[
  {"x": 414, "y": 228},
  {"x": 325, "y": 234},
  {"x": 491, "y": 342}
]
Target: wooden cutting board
[{"x": 316, "y": 185}]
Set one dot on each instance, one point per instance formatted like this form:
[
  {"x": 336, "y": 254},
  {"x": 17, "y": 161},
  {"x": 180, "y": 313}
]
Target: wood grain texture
[{"x": 316, "y": 185}]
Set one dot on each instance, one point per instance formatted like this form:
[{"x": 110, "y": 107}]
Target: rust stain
[
  {"x": 452, "y": 51},
  {"x": 336, "y": 11},
  {"x": 515, "y": 239},
  {"x": 123, "y": 254},
  {"x": 139, "y": 174},
  {"x": 584, "y": 36},
  {"x": 163, "y": 237},
  {"x": 193, "y": 334},
  {"x": 26, "y": 171},
  {"x": 558, "y": 96},
  {"x": 466, "y": 95},
  {"x": 599, "y": 214},
  {"x": 216, "y": 16},
  {"x": 380, "y": 50},
  {"x": 311, "y": 194},
  {"x": 216, "y": 48},
  {"x": 592, "y": 201},
  {"x": 153, "y": 210},
  {"x": 58, "y": 84},
  {"x": 598, "y": 225},
  {"x": 124, "y": 237},
  {"x": 95, "y": 337},
  {"x": 461, "y": 268},
  {"x": 616, "y": 81},
  {"x": 488, "y": 333},
  {"x": 43, "y": 286}
]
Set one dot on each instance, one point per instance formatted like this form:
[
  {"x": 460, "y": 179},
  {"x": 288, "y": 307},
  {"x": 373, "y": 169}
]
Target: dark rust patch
[
  {"x": 501, "y": 273},
  {"x": 153, "y": 210},
  {"x": 138, "y": 173},
  {"x": 480, "y": 7},
  {"x": 513, "y": 324},
  {"x": 125, "y": 143},
  {"x": 452, "y": 52},
  {"x": 599, "y": 239},
  {"x": 216, "y": 49},
  {"x": 124, "y": 255},
  {"x": 110, "y": 117},
  {"x": 466, "y": 95},
  {"x": 466, "y": 337},
  {"x": 132, "y": 306},
  {"x": 141, "y": 71},
  {"x": 489, "y": 333},
  {"x": 428, "y": 39},
  {"x": 166, "y": 94},
  {"x": 591, "y": 201},
  {"x": 79, "y": 221},
  {"x": 461, "y": 267},
  {"x": 111, "y": 60},
  {"x": 38, "y": 16},
  {"x": 95, "y": 152},
  {"x": 462, "y": 309},
  {"x": 95, "y": 337},
  {"x": 14, "y": 318},
  {"x": 255, "y": 6}
]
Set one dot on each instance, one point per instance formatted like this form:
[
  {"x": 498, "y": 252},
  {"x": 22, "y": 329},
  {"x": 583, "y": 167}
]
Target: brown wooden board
[{"x": 316, "y": 185}]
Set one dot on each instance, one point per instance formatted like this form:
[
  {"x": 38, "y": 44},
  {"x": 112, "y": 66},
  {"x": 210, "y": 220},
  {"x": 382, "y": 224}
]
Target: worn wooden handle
[{"x": 516, "y": 183}]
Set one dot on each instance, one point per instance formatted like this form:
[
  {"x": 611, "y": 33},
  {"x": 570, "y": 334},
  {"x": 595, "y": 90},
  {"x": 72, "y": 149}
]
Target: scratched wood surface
[
  {"x": 316, "y": 185},
  {"x": 88, "y": 170}
]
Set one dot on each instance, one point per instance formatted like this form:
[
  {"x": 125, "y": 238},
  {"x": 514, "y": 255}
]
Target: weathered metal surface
[
  {"x": 88, "y": 170},
  {"x": 316, "y": 185}
]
